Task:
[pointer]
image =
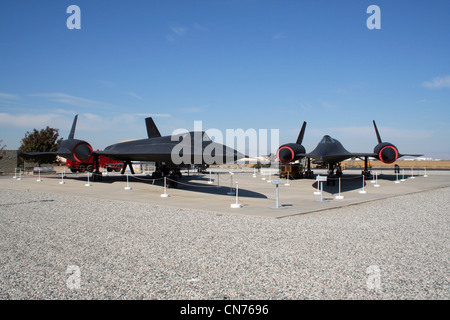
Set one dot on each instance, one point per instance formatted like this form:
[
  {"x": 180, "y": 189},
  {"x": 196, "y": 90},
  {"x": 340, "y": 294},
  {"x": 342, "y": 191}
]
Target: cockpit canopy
[
  {"x": 327, "y": 139},
  {"x": 193, "y": 136}
]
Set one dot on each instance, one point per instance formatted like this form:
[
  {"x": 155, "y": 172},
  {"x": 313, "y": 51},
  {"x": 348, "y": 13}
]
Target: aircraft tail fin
[
  {"x": 376, "y": 131},
  {"x": 301, "y": 134},
  {"x": 74, "y": 125},
  {"x": 152, "y": 130}
]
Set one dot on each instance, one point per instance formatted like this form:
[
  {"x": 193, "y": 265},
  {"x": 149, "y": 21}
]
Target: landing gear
[
  {"x": 339, "y": 170},
  {"x": 173, "y": 174},
  {"x": 331, "y": 175},
  {"x": 366, "y": 172},
  {"x": 172, "y": 182},
  {"x": 332, "y": 167},
  {"x": 309, "y": 174},
  {"x": 96, "y": 173},
  {"x": 125, "y": 164}
]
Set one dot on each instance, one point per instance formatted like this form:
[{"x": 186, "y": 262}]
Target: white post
[
  {"x": 231, "y": 192},
  {"x": 62, "y": 179},
  {"x": 287, "y": 180},
  {"x": 254, "y": 172},
  {"x": 396, "y": 173},
  {"x": 363, "y": 190},
  {"x": 277, "y": 203},
  {"x": 321, "y": 181},
  {"x": 128, "y": 186},
  {"x": 412, "y": 174},
  {"x": 210, "y": 180},
  {"x": 321, "y": 191},
  {"x": 39, "y": 179},
  {"x": 88, "y": 184},
  {"x": 318, "y": 190},
  {"x": 277, "y": 196},
  {"x": 376, "y": 185},
  {"x": 20, "y": 175},
  {"x": 425, "y": 175},
  {"x": 237, "y": 204},
  {"x": 218, "y": 182},
  {"x": 15, "y": 173},
  {"x": 403, "y": 175},
  {"x": 165, "y": 195},
  {"x": 339, "y": 197}
]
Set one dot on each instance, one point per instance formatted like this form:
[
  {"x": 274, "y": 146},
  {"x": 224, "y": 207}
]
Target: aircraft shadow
[
  {"x": 191, "y": 183},
  {"x": 351, "y": 182}
]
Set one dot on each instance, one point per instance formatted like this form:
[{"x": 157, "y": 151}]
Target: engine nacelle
[
  {"x": 287, "y": 153},
  {"x": 82, "y": 151},
  {"x": 75, "y": 150},
  {"x": 386, "y": 152}
]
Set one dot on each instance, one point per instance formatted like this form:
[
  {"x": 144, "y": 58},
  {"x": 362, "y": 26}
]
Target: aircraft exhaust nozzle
[
  {"x": 387, "y": 152},
  {"x": 287, "y": 153},
  {"x": 75, "y": 150},
  {"x": 82, "y": 151}
]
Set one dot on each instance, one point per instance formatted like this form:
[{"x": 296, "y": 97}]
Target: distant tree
[
  {"x": 2, "y": 150},
  {"x": 45, "y": 140}
]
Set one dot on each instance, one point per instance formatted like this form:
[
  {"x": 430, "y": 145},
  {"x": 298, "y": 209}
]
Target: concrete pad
[{"x": 257, "y": 197}]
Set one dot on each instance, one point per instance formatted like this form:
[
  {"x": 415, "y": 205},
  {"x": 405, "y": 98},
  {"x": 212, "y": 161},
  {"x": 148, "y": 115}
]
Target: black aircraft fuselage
[
  {"x": 170, "y": 153},
  {"x": 194, "y": 148},
  {"x": 331, "y": 152}
]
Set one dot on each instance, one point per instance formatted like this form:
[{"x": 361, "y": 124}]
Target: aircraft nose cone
[
  {"x": 216, "y": 153},
  {"x": 238, "y": 155},
  {"x": 231, "y": 154}
]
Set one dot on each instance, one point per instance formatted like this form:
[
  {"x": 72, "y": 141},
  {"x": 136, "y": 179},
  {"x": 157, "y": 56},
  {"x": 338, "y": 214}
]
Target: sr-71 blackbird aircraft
[
  {"x": 331, "y": 152},
  {"x": 194, "y": 148}
]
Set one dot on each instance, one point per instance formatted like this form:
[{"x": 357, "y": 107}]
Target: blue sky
[{"x": 231, "y": 64}]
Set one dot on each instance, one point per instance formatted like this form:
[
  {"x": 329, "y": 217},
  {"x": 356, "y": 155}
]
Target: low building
[{"x": 8, "y": 162}]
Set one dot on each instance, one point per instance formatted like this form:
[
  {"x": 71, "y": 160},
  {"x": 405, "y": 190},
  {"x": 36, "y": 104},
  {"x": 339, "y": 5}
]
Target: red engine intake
[
  {"x": 388, "y": 154},
  {"x": 290, "y": 152},
  {"x": 82, "y": 151},
  {"x": 285, "y": 154}
]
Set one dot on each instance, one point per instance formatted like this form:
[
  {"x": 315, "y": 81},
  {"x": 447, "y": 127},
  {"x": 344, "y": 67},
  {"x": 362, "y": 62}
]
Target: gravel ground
[{"x": 67, "y": 247}]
